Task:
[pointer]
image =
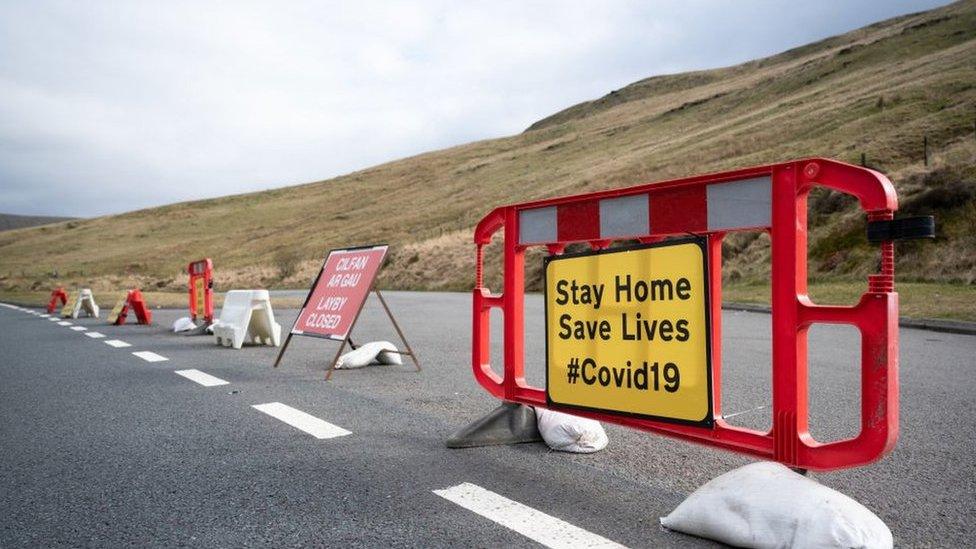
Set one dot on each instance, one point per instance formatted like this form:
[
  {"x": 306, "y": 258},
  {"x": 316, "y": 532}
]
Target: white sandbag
[
  {"x": 183, "y": 324},
  {"x": 370, "y": 353},
  {"x": 768, "y": 505},
  {"x": 568, "y": 433}
]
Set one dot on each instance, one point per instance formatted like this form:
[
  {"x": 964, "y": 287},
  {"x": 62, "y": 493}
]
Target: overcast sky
[{"x": 111, "y": 106}]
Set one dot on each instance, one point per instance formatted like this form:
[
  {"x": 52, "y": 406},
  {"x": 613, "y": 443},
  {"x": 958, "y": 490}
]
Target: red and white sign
[{"x": 339, "y": 292}]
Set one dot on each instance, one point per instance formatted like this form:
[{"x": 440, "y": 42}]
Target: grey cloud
[{"x": 119, "y": 105}]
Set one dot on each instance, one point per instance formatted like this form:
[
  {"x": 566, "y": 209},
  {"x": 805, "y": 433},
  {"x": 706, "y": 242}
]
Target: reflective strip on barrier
[{"x": 728, "y": 205}]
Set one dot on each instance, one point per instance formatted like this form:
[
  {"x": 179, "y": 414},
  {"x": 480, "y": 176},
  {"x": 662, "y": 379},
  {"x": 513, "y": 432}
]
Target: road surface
[{"x": 103, "y": 447}]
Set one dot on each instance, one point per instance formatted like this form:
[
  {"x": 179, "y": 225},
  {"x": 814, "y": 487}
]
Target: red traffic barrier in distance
[
  {"x": 201, "y": 290},
  {"x": 633, "y": 334},
  {"x": 59, "y": 298},
  {"x": 133, "y": 301}
]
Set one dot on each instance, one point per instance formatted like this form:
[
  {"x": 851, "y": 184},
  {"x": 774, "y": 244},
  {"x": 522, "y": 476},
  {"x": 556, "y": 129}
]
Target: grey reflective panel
[
  {"x": 537, "y": 225},
  {"x": 740, "y": 204},
  {"x": 624, "y": 216}
]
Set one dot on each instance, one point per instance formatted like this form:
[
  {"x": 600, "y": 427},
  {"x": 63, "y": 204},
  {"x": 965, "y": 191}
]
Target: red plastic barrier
[
  {"x": 58, "y": 298},
  {"x": 772, "y": 198},
  {"x": 135, "y": 302},
  {"x": 201, "y": 289}
]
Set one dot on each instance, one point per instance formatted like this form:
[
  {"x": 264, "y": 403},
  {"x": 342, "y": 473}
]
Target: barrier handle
[
  {"x": 482, "y": 302},
  {"x": 875, "y": 316}
]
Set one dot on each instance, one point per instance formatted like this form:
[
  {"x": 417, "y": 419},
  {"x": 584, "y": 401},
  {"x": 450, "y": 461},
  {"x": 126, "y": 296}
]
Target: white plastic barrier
[
  {"x": 88, "y": 303},
  {"x": 247, "y": 314},
  {"x": 84, "y": 302}
]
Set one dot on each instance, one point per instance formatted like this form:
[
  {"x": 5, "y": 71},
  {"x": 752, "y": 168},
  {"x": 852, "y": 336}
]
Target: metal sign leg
[
  {"x": 328, "y": 373},
  {"x": 398, "y": 330}
]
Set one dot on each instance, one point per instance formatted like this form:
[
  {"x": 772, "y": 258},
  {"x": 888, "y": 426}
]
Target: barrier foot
[
  {"x": 198, "y": 331},
  {"x": 510, "y": 423}
]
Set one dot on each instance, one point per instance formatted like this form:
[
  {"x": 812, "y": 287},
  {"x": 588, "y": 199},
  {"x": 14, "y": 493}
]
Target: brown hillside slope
[{"x": 878, "y": 90}]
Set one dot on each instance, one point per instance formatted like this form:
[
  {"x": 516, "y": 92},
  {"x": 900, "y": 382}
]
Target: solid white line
[
  {"x": 202, "y": 378},
  {"x": 302, "y": 421},
  {"x": 65, "y": 323},
  {"x": 117, "y": 343},
  {"x": 79, "y": 328},
  {"x": 95, "y": 335},
  {"x": 150, "y": 356},
  {"x": 535, "y": 525}
]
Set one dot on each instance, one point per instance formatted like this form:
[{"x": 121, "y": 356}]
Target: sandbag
[
  {"x": 767, "y": 505},
  {"x": 568, "y": 433},
  {"x": 374, "y": 352},
  {"x": 183, "y": 324}
]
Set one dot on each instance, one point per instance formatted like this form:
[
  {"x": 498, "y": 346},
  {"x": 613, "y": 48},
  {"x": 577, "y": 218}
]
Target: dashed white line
[
  {"x": 45, "y": 315},
  {"x": 54, "y": 319},
  {"x": 65, "y": 323},
  {"x": 95, "y": 335},
  {"x": 300, "y": 420},
  {"x": 202, "y": 378},
  {"x": 150, "y": 356},
  {"x": 535, "y": 525},
  {"x": 117, "y": 343},
  {"x": 79, "y": 328}
]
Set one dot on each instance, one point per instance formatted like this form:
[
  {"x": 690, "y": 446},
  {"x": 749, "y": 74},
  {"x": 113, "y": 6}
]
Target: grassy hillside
[{"x": 878, "y": 91}]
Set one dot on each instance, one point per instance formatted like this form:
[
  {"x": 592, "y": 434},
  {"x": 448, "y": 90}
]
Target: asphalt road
[{"x": 99, "y": 447}]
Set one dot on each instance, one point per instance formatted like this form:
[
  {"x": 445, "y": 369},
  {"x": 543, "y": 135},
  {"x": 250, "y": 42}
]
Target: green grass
[{"x": 916, "y": 299}]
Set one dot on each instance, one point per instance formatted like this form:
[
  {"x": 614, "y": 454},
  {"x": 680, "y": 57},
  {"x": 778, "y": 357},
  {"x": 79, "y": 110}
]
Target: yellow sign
[
  {"x": 113, "y": 317},
  {"x": 200, "y": 294},
  {"x": 628, "y": 331},
  {"x": 69, "y": 305}
]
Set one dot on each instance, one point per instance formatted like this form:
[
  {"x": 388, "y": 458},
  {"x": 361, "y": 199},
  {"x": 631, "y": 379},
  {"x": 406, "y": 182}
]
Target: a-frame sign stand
[{"x": 337, "y": 298}]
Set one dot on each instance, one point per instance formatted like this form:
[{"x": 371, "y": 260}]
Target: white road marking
[
  {"x": 202, "y": 378},
  {"x": 150, "y": 356},
  {"x": 65, "y": 323},
  {"x": 300, "y": 420},
  {"x": 45, "y": 315},
  {"x": 54, "y": 319},
  {"x": 117, "y": 343},
  {"x": 95, "y": 335},
  {"x": 535, "y": 525},
  {"x": 79, "y": 328}
]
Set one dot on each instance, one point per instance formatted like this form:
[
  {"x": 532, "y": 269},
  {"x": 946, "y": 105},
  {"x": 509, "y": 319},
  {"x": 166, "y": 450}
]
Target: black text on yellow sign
[{"x": 628, "y": 331}]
